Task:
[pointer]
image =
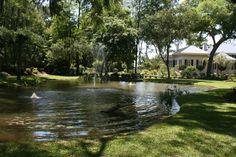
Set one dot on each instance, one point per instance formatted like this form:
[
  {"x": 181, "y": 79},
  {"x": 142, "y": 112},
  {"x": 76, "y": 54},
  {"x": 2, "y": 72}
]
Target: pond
[{"x": 70, "y": 109}]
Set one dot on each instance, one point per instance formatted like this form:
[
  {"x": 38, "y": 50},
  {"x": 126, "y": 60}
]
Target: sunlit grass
[
  {"x": 57, "y": 77},
  {"x": 213, "y": 83}
]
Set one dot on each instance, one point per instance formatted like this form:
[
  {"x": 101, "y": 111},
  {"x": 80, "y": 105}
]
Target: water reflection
[{"x": 74, "y": 109}]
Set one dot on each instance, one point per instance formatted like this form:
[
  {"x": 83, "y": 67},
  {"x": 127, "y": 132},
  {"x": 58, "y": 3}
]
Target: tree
[
  {"x": 140, "y": 9},
  {"x": 163, "y": 28},
  {"x": 221, "y": 62},
  {"x": 217, "y": 19},
  {"x": 1, "y": 6},
  {"x": 118, "y": 36},
  {"x": 25, "y": 26}
]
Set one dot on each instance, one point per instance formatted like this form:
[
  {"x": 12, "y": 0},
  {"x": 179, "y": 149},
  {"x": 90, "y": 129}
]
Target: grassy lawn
[
  {"x": 57, "y": 77},
  {"x": 213, "y": 83},
  {"x": 33, "y": 80},
  {"x": 205, "y": 126}
]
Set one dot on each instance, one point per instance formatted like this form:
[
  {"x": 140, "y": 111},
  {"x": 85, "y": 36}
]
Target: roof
[
  {"x": 191, "y": 50},
  {"x": 229, "y": 48},
  {"x": 227, "y": 57}
]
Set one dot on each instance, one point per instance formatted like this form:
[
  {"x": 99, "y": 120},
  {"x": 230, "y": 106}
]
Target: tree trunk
[
  {"x": 77, "y": 63},
  {"x": 211, "y": 56},
  {"x": 140, "y": 53},
  {"x": 168, "y": 71},
  {"x": 136, "y": 57},
  {"x": 1, "y": 6},
  {"x": 137, "y": 42},
  {"x": 167, "y": 62},
  {"x": 18, "y": 61}
]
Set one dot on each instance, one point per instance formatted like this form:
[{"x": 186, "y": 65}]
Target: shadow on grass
[
  {"x": 22, "y": 150},
  {"x": 209, "y": 111},
  {"x": 86, "y": 147}
]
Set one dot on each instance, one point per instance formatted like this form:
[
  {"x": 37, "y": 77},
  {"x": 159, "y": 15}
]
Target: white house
[{"x": 192, "y": 55}]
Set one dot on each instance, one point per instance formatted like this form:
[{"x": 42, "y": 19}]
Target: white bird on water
[{"x": 34, "y": 96}]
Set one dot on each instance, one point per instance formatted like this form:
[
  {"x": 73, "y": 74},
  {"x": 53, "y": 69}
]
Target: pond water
[{"x": 69, "y": 109}]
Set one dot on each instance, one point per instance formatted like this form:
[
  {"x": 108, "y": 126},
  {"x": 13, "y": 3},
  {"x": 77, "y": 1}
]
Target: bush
[
  {"x": 115, "y": 76},
  {"x": 174, "y": 73},
  {"x": 182, "y": 67},
  {"x": 126, "y": 76},
  {"x": 200, "y": 67},
  {"x": 190, "y": 72},
  {"x": 136, "y": 76},
  {"x": 162, "y": 71},
  {"x": 31, "y": 71},
  {"x": 59, "y": 66},
  {"x": 31, "y": 81},
  {"x": 4, "y": 75}
]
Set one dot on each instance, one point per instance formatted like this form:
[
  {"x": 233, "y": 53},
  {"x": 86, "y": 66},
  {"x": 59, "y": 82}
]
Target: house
[
  {"x": 192, "y": 55},
  {"x": 228, "y": 52}
]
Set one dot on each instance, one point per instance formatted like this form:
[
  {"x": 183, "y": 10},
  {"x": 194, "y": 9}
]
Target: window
[
  {"x": 185, "y": 62},
  {"x": 214, "y": 66},
  {"x": 197, "y": 62},
  {"x": 192, "y": 62},
  {"x": 204, "y": 62},
  {"x": 180, "y": 62},
  {"x": 200, "y": 62},
  {"x": 173, "y": 63}
]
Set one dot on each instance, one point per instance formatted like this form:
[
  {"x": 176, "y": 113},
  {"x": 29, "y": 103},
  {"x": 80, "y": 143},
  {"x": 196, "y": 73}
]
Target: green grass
[
  {"x": 57, "y": 77},
  {"x": 33, "y": 80},
  {"x": 200, "y": 82},
  {"x": 25, "y": 81},
  {"x": 205, "y": 126}
]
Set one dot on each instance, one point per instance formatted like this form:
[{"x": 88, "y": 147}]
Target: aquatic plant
[{"x": 166, "y": 98}]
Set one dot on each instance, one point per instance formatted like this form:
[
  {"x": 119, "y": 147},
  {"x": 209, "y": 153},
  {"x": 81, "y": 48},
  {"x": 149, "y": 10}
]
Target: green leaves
[{"x": 118, "y": 36}]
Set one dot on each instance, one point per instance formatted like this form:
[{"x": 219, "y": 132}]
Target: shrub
[
  {"x": 222, "y": 67},
  {"x": 174, "y": 73},
  {"x": 4, "y": 75},
  {"x": 125, "y": 76},
  {"x": 200, "y": 67},
  {"x": 182, "y": 67},
  {"x": 31, "y": 71},
  {"x": 190, "y": 72},
  {"x": 31, "y": 81},
  {"x": 114, "y": 76},
  {"x": 162, "y": 71},
  {"x": 136, "y": 76}
]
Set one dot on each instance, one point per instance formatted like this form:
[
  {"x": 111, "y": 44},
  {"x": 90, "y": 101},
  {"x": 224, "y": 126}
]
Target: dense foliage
[{"x": 75, "y": 37}]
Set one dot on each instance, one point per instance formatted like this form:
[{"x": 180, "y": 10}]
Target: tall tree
[
  {"x": 165, "y": 27},
  {"x": 139, "y": 10},
  {"x": 118, "y": 36},
  {"x": 217, "y": 20},
  {"x": 1, "y": 6},
  {"x": 24, "y": 22}
]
